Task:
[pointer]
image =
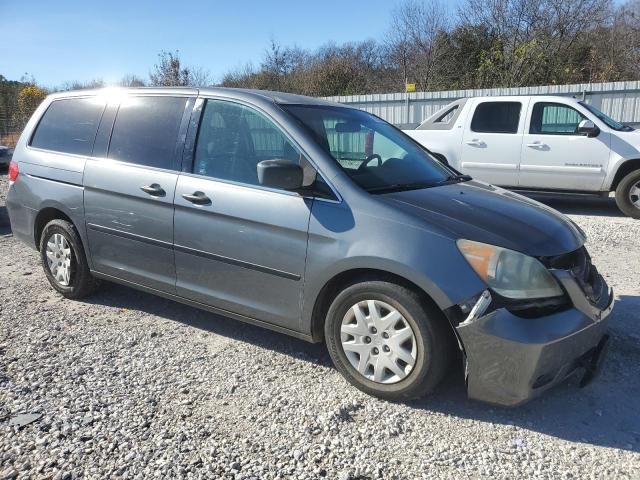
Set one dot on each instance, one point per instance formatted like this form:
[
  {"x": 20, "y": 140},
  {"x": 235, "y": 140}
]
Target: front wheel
[
  {"x": 64, "y": 261},
  {"x": 628, "y": 194},
  {"x": 386, "y": 341}
]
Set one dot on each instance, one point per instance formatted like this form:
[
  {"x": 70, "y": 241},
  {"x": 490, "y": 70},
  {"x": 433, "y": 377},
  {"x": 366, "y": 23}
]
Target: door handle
[
  {"x": 197, "y": 198},
  {"x": 154, "y": 190},
  {"x": 536, "y": 145},
  {"x": 475, "y": 143}
]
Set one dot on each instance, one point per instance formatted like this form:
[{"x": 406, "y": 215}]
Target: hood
[
  {"x": 633, "y": 137},
  {"x": 484, "y": 213}
]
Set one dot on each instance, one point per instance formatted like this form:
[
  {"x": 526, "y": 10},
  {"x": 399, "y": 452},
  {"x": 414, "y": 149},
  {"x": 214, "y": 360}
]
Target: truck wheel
[
  {"x": 386, "y": 341},
  {"x": 64, "y": 261},
  {"x": 628, "y": 194}
]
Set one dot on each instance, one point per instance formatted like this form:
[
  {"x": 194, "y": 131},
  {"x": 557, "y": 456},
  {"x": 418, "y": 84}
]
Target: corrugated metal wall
[{"x": 619, "y": 100}]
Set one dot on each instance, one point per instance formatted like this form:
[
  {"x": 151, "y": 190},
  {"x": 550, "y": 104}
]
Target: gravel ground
[{"x": 127, "y": 385}]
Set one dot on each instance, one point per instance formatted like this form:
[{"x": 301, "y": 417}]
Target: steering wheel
[{"x": 367, "y": 161}]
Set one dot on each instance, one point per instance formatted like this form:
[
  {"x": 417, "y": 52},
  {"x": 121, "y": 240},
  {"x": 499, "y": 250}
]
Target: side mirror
[
  {"x": 588, "y": 128},
  {"x": 281, "y": 174}
]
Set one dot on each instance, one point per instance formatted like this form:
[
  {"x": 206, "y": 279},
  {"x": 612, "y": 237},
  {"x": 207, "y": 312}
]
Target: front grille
[{"x": 579, "y": 264}]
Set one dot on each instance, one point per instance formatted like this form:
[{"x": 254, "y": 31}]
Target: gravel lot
[{"x": 127, "y": 385}]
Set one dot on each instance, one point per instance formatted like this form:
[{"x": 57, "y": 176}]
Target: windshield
[
  {"x": 606, "y": 119},
  {"x": 376, "y": 155}
]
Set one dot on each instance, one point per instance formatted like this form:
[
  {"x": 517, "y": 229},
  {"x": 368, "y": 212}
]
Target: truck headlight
[{"x": 509, "y": 273}]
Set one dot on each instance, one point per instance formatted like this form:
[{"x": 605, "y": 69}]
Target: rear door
[
  {"x": 239, "y": 246},
  {"x": 492, "y": 140},
  {"x": 556, "y": 156},
  {"x": 129, "y": 189}
]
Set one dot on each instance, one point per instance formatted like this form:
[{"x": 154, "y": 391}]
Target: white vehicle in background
[{"x": 538, "y": 143}]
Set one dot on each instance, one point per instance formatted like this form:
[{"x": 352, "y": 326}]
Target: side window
[
  {"x": 69, "y": 126},
  {"x": 146, "y": 131},
  {"x": 496, "y": 117},
  {"x": 233, "y": 139},
  {"x": 447, "y": 116},
  {"x": 555, "y": 119}
]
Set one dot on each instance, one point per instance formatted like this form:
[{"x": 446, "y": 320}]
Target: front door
[
  {"x": 239, "y": 246},
  {"x": 129, "y": 191},
  {"x": 556, "y": 156},
  {"x": 491, "y": 141}
]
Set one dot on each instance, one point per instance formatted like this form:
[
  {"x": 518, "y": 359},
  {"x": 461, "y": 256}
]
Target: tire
[
  {"x": 628, "y": 194},
  {"x": 433, "y": 342},
  {"x": 60, "y": 238}
]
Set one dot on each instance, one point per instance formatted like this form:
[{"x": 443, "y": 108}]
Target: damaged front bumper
[{"x": 511, "y": 359}]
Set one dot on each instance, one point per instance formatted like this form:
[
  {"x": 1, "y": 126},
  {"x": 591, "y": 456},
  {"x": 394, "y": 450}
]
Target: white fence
[{"x": 619, "y": 100}]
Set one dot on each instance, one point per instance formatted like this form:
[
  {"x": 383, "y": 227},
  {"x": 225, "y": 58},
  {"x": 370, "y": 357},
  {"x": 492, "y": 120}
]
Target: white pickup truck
[{"x": 538, "y": 143}]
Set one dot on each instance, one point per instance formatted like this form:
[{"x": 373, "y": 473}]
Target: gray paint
[
  {"x": 506, "y": 354},
  {"x": 264, "y": 256},
  {"x": 114, "y": 203}
]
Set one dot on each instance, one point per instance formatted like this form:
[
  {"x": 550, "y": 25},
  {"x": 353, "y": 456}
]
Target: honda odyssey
[{"x": 316, "y": 220}]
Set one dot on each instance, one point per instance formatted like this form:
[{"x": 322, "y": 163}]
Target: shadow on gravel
[
  {"x": 575, "y": 205},
  {"x": 5, "y": 226},
  {"x": 604, "y": 413},
  {"x": 123, "y": 297}
]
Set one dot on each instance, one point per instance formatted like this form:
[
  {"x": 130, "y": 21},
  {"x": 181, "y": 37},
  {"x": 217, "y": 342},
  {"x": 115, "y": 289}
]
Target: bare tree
[
  {"x": 81, "y": 85},
  {"x": 170, "y": 72},
  {"x": 418, "y": 28},
  {"x": 533, "y": 40},
  {"x": 489, "y": 43},
  {"x": 399, "y": 51},
  {"x": 282, "y": 63},
  {"x": 131, "y": 80}
]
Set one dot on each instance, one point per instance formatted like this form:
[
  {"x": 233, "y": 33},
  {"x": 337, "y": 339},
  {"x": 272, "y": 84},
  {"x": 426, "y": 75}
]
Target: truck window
[
  {"x": 447, "y": 116},
  {"x": 554, "y": 119},
  {"x": 69, "y": 126},
  {"x": 496, "y": 117},
  {"x": 146, "y": 131}
]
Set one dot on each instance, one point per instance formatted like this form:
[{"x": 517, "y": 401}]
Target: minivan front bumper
[{"x": 511, "y": 359}]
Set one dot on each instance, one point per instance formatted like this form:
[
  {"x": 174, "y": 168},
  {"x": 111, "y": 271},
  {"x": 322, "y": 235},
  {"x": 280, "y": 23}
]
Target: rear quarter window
[{"x": 69, "y": 126}]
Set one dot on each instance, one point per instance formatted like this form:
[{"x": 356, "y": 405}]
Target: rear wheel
[
  {"x": 385, "y": 340},
  {"x": 628, "y": 194},
  {"x": 64, "y": 261}
]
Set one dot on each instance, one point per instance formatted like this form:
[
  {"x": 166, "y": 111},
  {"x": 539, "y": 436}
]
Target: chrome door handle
[
  {"x": 536, "y": 145},
  {"x": 475, "y": 143},
  {"x": 197, "y": 198},
  {"x": 154, "y": 190}
]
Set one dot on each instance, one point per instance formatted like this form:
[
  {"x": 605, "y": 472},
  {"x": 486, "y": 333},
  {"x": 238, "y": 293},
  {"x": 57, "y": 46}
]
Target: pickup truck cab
[{"x": 538, "y": 143}]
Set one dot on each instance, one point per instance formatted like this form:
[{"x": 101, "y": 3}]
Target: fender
[
  {"x": 618, "y": 170},
  {"x": 386, "y": 244}
]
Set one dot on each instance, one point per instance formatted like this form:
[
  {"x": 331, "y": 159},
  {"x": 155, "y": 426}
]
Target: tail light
[{"x": 13, "y": 172}]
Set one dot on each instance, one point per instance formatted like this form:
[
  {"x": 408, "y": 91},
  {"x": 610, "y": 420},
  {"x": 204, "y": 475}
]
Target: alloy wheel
[
  {"x": 59, "y": 259},
  {"x": 634, "y": 195}
]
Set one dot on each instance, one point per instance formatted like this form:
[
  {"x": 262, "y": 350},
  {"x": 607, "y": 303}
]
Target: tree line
[{"x": 481, "y": 44}]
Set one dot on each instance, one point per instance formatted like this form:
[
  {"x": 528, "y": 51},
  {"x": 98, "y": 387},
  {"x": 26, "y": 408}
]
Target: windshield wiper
[
  {"x": 398, "y": 187},
  {"x": 457, "y": 178}
]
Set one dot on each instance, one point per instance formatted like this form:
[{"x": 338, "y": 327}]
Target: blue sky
[{"x": 59, "y": 41}]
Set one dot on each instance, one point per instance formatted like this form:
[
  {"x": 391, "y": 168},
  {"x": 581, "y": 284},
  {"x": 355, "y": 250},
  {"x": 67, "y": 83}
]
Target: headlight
[{"x": 508, "y": 273}]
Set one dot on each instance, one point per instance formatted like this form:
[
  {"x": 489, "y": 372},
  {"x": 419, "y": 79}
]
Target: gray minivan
[{"x": 316, "y": 220}]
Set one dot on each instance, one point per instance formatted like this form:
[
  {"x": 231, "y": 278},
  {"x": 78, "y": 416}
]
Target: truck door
[
  {"x": 492, "y": 140},
  {"x": 556, "y": 156}
]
